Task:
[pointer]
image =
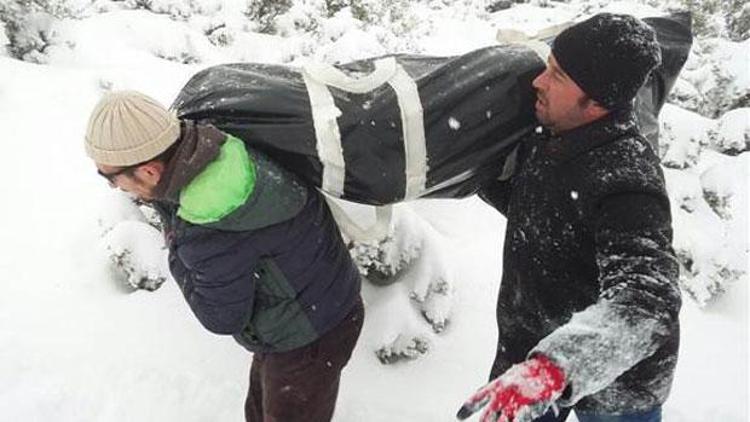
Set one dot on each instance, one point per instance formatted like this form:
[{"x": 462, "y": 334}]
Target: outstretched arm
[
  {"x": 637, "y": 311},
  {"x": 639, "y": 299}
]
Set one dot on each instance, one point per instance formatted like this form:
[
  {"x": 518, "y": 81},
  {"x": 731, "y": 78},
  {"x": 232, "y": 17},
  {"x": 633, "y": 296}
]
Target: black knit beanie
[{"x": 609, "y": 56}]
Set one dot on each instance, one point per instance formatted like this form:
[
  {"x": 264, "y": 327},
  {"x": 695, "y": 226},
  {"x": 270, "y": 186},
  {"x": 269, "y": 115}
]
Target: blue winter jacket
[{"x": 273, "y": 270}]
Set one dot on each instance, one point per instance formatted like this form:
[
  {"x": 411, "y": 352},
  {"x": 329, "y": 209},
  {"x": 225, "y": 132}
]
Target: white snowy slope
[{"x": 78, "y": 343}]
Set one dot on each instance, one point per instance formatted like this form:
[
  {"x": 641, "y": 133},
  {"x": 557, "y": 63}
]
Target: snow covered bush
[
  {"x": 707, "y": 16},
  {"x": 177, "y": 9},
  {"x": 732, "y": 133},
  {"x": 382, "y": 260},
  {"x": 739, "y": 21},
  {"x": 29, "y": 41},
  {"x": 28, "y": 26},
  {"x": 133, "y": 244},
  {"x": 411, "y": 267},
  {"x": 378, "y": 11},
  {"x": 715, "y": 18},
  {"x": 264, "y": 12},
  {"x": 288, "y": 18},
  {"x": 708, "y": 188},
  {"x": 402, "y": 348},
  {"x": 136, "y": 252},
  {"x": 219, "y": 34},
  {"x": 321, "y": 23},
  {"x": 713, "y": 257},
  {"x": 724, "y": 187},
  {"x": 680, "y": 145},
  {"x": 715, "y": 78}
]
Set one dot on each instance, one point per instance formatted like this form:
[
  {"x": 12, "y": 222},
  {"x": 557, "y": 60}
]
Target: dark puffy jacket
[
  {"x": 589, "y": 274},
  {"x": 274, "y": 272}
]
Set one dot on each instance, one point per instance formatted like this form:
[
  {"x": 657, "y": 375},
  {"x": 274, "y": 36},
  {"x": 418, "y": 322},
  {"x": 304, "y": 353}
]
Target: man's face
[
  {"x": 139, "y": 180},
  {"x": 561, "y": 105}
]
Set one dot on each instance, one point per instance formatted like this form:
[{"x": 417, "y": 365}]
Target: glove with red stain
[{"x": 524, "y": 392}]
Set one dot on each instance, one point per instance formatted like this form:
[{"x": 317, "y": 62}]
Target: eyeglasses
[{"x": 112, "y": 176}]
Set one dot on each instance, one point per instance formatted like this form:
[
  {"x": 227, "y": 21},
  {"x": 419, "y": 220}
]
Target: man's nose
[{"x": 538, "y": 82}]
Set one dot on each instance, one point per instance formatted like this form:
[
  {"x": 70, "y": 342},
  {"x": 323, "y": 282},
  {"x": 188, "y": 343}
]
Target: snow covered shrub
[
  {"x": 4, "y": 41},
  {"x": 686, "y": 95},
  {"x": 707, "y": 176},
  {"x": 707, "y": 275},
  {"x": 334, "y": 6},
  {"x": 680, "y": 145},
  {"x": 402, "y": 348},
  {"x": 397, "y": 331},
  {"x": 136, "y": 251},
  {"x": 715, "y": 78},
  {"x": 132, "y": 240},
  {"x": 176, "y": 9},
  {"x": 723, "y": 95},
  {"x": 498, "y": 5},
  {"x": 397, "y": 25},
  {"x": 732, "y": 133},
  {"x": 710, "y": 219},
  {"x": 739, "y": 21},
  {"x": 382, "y": 260},
  {"x": 724, "y": 188},
  {"x": 378, "y": 11},
  {"x": 220, "y": 35},
  {"x": 29, "y": 26},
  {"x": 264, "y": 12},
  {"x": 720, "y": 18},
  {"x": 183, "y": 57},
  {"x": 707, "y": 16},
  {"x": 138, "y": 4},
  {"x": 410, "y": 293},
  {"x": 416, "y": 257},
  {"x": 119, "y": 207},
  {"x": 30, "y": 41}
]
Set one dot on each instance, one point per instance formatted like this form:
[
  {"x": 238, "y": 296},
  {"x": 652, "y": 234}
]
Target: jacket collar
[
  {"x": 572, "y": 143},
  {"x": 198, "y": 146}
]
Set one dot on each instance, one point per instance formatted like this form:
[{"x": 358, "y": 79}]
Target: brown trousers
[{"x": 302, "y": 384}]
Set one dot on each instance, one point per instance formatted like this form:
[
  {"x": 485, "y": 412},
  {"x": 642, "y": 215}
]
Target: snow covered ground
[{"x": 77, "y": 344}]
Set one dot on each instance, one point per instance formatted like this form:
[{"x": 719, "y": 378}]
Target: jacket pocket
[
  {"x": 267, "y": 296},
  {"x": 279, "y": 320},
  {"x": 274, "y": 309},
  {"x": 271, "y": 287}
]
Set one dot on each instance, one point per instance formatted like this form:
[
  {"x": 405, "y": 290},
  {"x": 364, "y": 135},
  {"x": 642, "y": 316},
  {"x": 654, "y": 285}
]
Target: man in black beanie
[{"x": 588, "y": 305}]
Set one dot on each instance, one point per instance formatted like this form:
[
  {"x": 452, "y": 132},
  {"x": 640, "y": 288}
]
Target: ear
[
  {"x": 150, "y": 172},
  {"x": 594, "y": 111}
]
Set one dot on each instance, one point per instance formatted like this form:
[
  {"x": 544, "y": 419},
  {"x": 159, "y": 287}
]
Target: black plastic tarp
[{"x": 472, "y": 110}]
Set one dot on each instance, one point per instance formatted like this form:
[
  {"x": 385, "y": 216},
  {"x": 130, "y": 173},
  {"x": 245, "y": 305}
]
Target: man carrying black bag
[
  {"x": 588, "y": 306},
  {"x": 255, "y": 251}
]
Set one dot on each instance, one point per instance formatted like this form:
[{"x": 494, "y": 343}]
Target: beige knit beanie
[{"x": 127, "y": 127}]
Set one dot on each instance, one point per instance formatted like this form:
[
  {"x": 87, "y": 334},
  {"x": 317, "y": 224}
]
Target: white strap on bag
[
  {"x": 412, "y": 121},
  {"x": 511, "y": 36},
  {"x": 319, "y": 76},
  {"x": 354, "y": 231},
  {"x": 328, "y": 75},
  {"x": 535, "y": 41},
  {"x": 330, "y": 151}
]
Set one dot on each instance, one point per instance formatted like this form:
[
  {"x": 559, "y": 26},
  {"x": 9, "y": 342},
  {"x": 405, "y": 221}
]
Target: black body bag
[{"x": 393, "y": 128}]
